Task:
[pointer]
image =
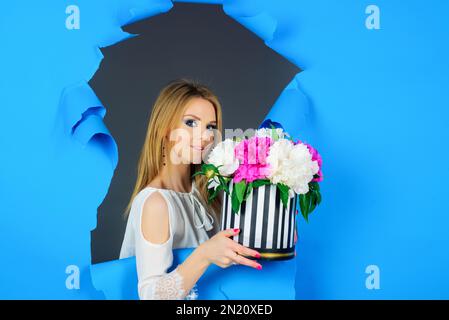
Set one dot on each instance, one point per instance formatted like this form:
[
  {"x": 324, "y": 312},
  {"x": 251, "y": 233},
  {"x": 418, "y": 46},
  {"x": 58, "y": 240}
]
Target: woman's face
[{"x": 194, "y": 133}]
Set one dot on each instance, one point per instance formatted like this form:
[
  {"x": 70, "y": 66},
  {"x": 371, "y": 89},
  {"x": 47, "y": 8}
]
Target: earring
[{"x": 163, "y": 153}]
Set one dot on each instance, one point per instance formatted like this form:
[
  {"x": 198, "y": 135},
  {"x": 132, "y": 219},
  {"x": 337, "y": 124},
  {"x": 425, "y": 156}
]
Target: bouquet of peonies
[
  {"x": 270, "y": 157},
  {"x": 263, "y": 178}
]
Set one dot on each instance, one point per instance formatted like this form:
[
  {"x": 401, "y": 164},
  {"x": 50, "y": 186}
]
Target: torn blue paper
[
  {"x": 117, "y": 279},
  {"x": 82, "y": 114},
  {"x": 375, "y": 118},
  {"x": 135, "y": 10}
]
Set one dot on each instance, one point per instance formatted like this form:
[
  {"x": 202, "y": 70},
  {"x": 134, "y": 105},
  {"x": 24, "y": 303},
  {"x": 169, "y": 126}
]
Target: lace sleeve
[{"x": 168, "y": 286}]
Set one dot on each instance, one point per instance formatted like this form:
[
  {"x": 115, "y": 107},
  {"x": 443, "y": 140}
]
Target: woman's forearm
[{"x": 193, "y": 268}]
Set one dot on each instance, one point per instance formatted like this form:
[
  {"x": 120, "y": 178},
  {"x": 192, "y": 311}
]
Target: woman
[{"x": 168, "y": 209}]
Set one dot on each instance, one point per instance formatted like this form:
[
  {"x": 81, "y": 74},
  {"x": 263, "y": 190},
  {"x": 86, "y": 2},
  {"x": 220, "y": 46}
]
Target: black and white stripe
[{"x": 263, "y": 220}]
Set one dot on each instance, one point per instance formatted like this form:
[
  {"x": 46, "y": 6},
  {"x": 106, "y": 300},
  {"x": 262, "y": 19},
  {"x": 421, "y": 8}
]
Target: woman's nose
[
  {"x": 204, "y": 137},
  {"x": 207, "y": 136}
]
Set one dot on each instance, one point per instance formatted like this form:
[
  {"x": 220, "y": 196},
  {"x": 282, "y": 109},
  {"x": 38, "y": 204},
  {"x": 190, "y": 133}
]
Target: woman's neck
[{"x": 175, "y": 177}]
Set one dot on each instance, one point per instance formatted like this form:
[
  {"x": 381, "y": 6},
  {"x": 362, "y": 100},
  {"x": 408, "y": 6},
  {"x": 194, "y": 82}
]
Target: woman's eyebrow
[{"x": 192, "y": 115}]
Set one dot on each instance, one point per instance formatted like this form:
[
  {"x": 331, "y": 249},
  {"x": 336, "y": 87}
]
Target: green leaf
[
  {"x": 318, "y": 196},
  {"x": 249, "y": 188},
  {"x": 208, "y": 166},
  {"x": 309, "y": 203},
  {"x": 260, "y": 182},
  {"x": 284, "y": 193},
  {"x": 226, "y": 180},
  {"x": 313, "y": 202},
  {"x": 226, "y": 188},
  {"x": 282, "y": 187},
  {"x": 240, "y": 188},
  {"x": 223, "y": 182},
  {"x": 198, "y": 173},
  {"x": 314, "y": 186},
  {"x": 235, "y": 201},
  {"x": 304, "y": 206}
]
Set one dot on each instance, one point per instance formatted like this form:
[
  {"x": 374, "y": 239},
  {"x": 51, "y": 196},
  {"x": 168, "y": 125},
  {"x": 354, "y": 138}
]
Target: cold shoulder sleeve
[{"x": 153, "y": 261}]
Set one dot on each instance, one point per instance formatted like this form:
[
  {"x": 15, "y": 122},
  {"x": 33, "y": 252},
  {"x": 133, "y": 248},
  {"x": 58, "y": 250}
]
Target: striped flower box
[{"x": 265, "y": 224}]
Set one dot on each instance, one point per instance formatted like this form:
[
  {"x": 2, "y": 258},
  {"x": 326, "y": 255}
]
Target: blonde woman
[{"x": 168, "y": 208}]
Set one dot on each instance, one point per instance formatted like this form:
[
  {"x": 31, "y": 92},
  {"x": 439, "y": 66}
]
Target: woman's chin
[
  {"x": 196, "y": 157},
  {"x": 197, "y": 160}
]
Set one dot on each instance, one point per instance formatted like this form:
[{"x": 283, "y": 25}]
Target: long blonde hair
[{"x": 167, "y": 112}]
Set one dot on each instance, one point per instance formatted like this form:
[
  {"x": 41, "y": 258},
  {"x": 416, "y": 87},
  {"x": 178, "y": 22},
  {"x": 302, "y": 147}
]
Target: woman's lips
[{"x": 198, "y": 148}]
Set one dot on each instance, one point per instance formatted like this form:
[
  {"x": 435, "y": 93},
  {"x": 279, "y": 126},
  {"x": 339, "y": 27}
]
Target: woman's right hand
[{"x": 224, "y": 252}]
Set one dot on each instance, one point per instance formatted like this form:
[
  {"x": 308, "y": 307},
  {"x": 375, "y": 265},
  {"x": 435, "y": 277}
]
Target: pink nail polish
[
  {"x": 257, "y": 255},
  {"x": 259, "y": 267},
  {"x": 236, "y": 230}
]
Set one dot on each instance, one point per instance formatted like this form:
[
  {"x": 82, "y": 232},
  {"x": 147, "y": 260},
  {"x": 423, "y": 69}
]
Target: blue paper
[
  {"x": 117, "y": 279},
  {"x": 374, "y": 102}
]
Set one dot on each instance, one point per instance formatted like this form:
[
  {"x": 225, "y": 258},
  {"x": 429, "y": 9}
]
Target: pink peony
[
  {"x": 251, "y": 172},
  {"x": 252, "y": 154}
]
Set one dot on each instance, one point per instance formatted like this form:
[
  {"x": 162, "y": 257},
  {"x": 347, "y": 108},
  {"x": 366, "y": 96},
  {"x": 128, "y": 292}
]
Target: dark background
[{"x": 197, "y": 41}]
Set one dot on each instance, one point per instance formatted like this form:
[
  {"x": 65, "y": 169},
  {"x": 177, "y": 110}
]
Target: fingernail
[
  {"x": 257, "y": 255},
  {"x": 259, "y": 267},
  {"x": 236, "y": 230}
]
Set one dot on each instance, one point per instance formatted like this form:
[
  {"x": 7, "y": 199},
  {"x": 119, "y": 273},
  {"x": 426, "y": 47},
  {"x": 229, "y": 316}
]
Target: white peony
[
  {"x": 291, "y": 165},
  {"x": 266, "y": 132},
  {"x": 223, "y": 155}
]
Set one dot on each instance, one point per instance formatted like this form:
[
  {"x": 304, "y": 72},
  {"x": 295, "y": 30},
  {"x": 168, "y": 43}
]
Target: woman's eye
[
  {"x": 190, "y": 123},
  {"x": 212, "y": 127}
]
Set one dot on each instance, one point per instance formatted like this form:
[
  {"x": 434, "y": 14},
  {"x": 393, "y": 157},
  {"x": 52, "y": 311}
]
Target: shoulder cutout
[{"x": 155, "y": 222}]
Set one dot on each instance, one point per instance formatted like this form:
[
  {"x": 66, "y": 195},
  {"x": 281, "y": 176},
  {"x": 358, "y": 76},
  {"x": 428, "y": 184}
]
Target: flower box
[
  {"x": 265, "y": 224},
  {"x": 264, "y": 178}
]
